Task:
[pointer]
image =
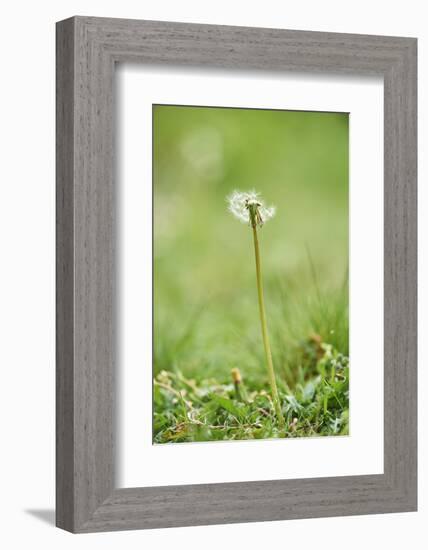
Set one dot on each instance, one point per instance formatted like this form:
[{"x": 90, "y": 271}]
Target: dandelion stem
[
  {"x": 269, "y": 362},
  {"x": 248, "y": 207}
]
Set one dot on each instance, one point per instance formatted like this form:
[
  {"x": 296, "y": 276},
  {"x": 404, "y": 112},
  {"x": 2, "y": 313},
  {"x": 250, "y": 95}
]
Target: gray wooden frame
[{"x": 87, "y": 50}]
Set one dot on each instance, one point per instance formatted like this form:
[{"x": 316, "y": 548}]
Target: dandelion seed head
[{"x": 242, "y": 202}]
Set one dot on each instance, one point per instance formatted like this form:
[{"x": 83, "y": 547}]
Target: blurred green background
[{"x": 205, "y": 300}]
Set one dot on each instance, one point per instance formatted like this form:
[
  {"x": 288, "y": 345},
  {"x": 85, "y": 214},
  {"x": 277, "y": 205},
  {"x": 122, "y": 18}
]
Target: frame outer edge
[
  {"x": 65, "y": 274},
  {"x": 400, "y": 316},
  {"x": 94, "y": 275}
]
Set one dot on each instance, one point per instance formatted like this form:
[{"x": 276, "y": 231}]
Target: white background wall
[{"x": 27, "y": 272}]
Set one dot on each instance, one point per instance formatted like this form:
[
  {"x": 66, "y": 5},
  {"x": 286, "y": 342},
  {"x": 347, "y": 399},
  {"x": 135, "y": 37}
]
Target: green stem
[{"x": 268, "y": 353}]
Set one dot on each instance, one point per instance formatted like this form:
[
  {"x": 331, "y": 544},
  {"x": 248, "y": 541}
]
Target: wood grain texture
[
  {"x": 87, "y": 50},
  {"x": 64, "y": 276}
]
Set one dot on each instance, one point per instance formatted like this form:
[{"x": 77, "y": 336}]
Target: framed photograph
[{"x": 236, "y": 274}]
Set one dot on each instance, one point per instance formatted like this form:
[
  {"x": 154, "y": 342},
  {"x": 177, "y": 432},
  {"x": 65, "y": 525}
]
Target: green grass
[
  {"x": 206, "y": 319},
  {"x": 196, "y": 400},
  {"x": 212, "y": 410}
]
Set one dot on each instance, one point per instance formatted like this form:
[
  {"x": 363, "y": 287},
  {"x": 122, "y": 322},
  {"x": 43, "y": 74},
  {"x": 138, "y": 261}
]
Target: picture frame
[{"x": 87, "y": 50}]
